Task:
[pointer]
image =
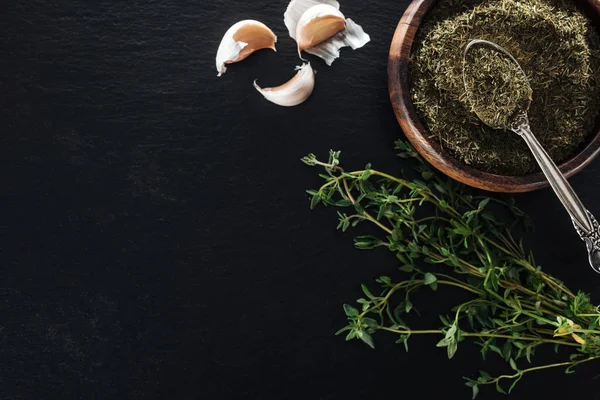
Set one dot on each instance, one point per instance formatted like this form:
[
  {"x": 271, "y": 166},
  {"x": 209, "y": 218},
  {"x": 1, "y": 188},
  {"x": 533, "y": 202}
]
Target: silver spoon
[{"x": 585, "y": 224}]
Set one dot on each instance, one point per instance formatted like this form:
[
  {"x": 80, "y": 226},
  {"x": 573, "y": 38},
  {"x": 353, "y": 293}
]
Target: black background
[{"x": 156, "y": 240}]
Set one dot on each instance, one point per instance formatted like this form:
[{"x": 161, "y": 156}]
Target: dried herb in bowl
[{"x": 557, "y": 47}]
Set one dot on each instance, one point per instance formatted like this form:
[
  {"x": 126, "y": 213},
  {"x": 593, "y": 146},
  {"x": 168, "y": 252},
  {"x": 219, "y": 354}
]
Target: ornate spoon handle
[{"x": 585, "y": 224}]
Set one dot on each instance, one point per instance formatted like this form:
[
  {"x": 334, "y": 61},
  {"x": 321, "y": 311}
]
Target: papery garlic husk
[
  {"x": 241, "y": 40},
  {"x": 354, "y": 37},
  {"x": 293, "y": 92},
  {"x": 305, "y": 19}
]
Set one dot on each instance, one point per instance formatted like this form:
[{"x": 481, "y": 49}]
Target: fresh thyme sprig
[{"x": 443, "y": 235}]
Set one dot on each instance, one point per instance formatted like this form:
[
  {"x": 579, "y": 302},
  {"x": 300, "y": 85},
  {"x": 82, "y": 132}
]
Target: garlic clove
[
  {"x": 296, "y": 8},
  {"x": 293, "y": 92},
  {"x": 353, "y": 36},
  {"x": 241, "y": 40},
  {"x": 318, "y": 24},
  {"x": 301, "y": 11}
]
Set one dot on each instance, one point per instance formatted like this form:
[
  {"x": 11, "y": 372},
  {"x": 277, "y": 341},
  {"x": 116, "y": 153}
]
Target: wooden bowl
[{"x": 429, "y": 147}]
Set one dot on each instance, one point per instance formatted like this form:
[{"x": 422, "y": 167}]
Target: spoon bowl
[{"x": 515, "y": 119}]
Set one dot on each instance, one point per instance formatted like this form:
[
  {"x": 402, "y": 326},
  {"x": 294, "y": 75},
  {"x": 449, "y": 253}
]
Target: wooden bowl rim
[{"x": 430, "y": 148}]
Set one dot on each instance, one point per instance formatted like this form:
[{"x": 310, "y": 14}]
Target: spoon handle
[{"x": 585, "y": 224}]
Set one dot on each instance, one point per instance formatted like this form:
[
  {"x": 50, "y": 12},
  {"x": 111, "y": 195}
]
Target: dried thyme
[
  {"x": 559, "y": 51},
  {"x": 496, "y": 86}
]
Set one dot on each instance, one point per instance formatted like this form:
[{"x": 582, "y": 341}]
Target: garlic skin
[
  {"x": 242, "y": 39},
  {"x": 293, "y": 92},
  {"x": 310, "y": 21},
  {"x": 354, "y": 37}
]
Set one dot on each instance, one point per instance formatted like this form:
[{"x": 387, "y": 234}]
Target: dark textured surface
[{"x": 156, "y": 238}]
